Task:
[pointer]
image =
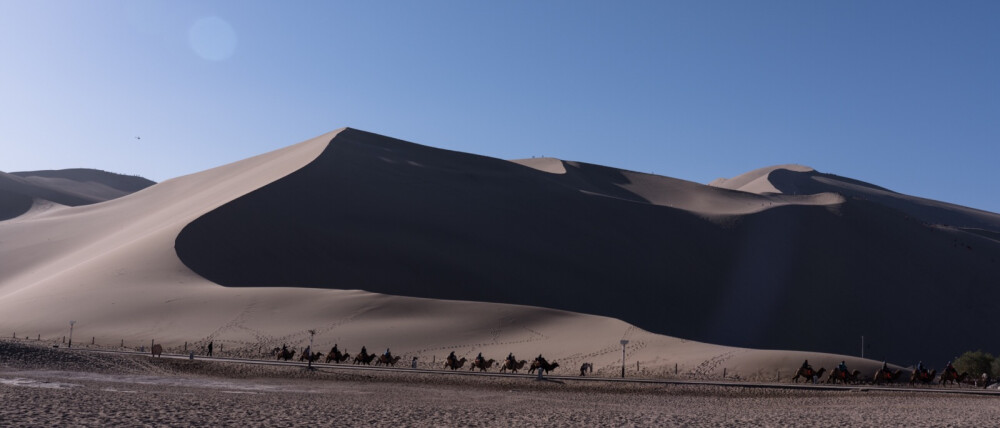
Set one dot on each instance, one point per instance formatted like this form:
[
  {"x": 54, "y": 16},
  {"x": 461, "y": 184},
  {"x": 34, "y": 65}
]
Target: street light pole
[
  {"x": 862, "y": 347},
  {"x": 71, "y": 333},
  {"x": 309, "y": 357},
  {"x": 623, "y": 342}
]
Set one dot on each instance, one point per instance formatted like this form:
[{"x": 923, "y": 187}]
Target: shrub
[{"x": 977, "y": 363}]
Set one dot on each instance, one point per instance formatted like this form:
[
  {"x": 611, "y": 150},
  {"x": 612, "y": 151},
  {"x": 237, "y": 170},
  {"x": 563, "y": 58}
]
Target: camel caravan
[
  {"x": 839, "y": 374},
  {"x": 884, "y": 375},
  {"x": 509, "y": 364}
]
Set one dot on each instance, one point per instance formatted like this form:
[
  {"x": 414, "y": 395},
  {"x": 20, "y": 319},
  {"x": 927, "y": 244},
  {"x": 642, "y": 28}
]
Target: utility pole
[
  {"x": 862, "y": 347},
  {"x": 623, "y": 342},
  {"x": 309, "y": 355}
]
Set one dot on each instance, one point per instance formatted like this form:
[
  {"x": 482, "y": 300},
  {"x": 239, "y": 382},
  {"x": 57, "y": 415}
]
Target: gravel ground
[{"x": 46, "y": 387}]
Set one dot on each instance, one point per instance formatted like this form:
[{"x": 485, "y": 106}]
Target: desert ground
[{"x": 41, "y": 386}]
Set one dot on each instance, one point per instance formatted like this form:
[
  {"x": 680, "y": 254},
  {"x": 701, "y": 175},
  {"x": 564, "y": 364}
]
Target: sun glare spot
[{"x": 212, "y": 38}]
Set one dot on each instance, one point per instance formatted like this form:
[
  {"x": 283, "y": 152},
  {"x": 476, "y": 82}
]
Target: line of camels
[
  {"x": 513, "y": 365},
  {"x": 364, "y": 357},
  {"x": 881, "y": 376}
]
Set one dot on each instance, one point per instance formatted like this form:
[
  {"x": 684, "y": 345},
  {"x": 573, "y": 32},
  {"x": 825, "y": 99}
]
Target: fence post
[{"x": 723, "y": 372}]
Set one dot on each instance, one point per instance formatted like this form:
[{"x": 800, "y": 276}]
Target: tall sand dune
[{"x": 384, "y": 243}]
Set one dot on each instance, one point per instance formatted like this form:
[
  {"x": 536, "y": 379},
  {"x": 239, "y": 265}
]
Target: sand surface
[{"x": 45, "y": 387}]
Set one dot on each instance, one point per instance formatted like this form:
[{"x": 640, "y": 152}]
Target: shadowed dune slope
[
  {"x": 388, "y": 216},
  {"x": 71, "y": 187}
]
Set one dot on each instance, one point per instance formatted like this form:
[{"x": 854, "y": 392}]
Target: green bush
[{"x": 977, "y": 363}]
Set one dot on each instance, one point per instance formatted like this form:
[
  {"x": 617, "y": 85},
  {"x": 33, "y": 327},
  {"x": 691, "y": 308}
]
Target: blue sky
[{"x": 905, "y": 95}]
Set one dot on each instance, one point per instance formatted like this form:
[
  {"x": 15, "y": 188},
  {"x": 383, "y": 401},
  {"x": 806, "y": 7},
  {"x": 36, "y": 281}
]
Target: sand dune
[
  {"x": 383, "y": 243},
  {"x": 19, "y": 191}
]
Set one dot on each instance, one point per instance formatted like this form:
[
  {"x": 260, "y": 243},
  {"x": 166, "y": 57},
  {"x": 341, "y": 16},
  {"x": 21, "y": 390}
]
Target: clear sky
[{"x": 903, "y": 94}]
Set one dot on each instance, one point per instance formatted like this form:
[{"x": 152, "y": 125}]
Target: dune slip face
[{"x": 787, "y": 259}]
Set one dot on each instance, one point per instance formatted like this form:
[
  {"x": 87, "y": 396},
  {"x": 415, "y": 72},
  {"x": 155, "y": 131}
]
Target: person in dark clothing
[{"x": 209, "y": 349}]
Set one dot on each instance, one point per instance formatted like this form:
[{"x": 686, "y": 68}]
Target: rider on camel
[
  {"x": 806, "y": 366},
  {"x": 842, "y": 367},
  {"x": 920, "y": 368},
  {"x": 950, "y": 368},
  {"x": 364, "y": 351},
  {"x": 479, "y": 359},
  {"x": 451, "y": 358}
]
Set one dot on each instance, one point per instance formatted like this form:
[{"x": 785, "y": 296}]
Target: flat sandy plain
[{"x": 56, "y": 387}]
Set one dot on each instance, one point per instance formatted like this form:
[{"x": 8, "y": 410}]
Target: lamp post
[
  {"x": 309, "y": 355},
  {"x": 71, "y": 333},
  {"x": 623, "y": 342},
  {"x": 862, "y": 347}
]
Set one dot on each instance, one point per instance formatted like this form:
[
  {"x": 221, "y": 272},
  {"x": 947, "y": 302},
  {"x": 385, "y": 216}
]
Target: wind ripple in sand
[{"x": 35, "y": 383}]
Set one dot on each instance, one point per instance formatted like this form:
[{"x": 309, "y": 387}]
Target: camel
[
  {"x": 336, "y": 356},
  {"x": 364, "y": 358},
  {"x": 846, "y": 377},
  {"x": 285, "y": 354},
  {"x": 453, "y": 364},
  {"x": 808, "y": 374},
  {"x": 388, "y": 360},
  {"x": 157, "y": 350},
  {"x": 953, "y": 376},
  {"x": 887, "y": 376},
  {"x": 541, "y": 364},
  {"x": 312, "y": 358},
  {"x": 924, "y": 376},
  {"x": 512, "y": 366},
  {"x": 585, "y": 367},
  {"x": 482, "y": 365}
]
